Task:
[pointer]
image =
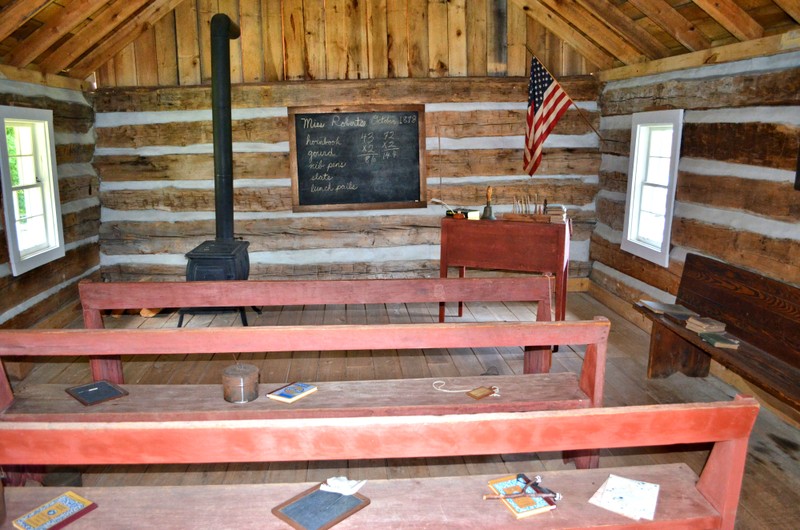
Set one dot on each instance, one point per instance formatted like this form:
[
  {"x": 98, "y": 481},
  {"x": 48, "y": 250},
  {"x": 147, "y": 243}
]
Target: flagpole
[{"x": 580, "y": 112}]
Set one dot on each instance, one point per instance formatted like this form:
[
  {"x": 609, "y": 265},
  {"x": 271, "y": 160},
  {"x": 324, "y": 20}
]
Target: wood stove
[{"x": 223, "y": 258}]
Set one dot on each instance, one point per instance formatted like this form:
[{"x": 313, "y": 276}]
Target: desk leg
[
  {"x": 670, "y": 353},
  {"x": 537, "y": 360}
]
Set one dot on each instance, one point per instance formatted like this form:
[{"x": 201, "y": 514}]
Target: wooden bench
[
  {"x": 763, "y": 313},
  {"x": 518, "y": 392},
  {"x": 98, "y": 297},
  {"x": 685, "y": 500}
]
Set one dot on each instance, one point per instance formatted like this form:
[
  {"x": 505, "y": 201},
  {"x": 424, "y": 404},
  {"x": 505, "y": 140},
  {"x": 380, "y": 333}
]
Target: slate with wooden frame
[{"x": 362, "y": 157}]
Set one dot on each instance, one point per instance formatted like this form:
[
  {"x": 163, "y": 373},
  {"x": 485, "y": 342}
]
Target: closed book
[
  {"x": 56, "y": 513},
  {"x": 661, "y": 308},
  {"x": 698, "y": 324},
  {"x": 526, "y": 505},
  {"x": 292, "y": 392},
  {"x": 720, "y": 340}
]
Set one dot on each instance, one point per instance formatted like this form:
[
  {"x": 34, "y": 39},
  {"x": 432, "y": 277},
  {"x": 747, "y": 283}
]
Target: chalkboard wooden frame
[{"x": 407, "y": 190}]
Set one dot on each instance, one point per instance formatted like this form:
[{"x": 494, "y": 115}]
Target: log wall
[
  {"x": 735, "y": 199},
  {"x": 345, "y": 39},
  {"x": 155, "y": 162},
  {"x": 48, "y": 294}
]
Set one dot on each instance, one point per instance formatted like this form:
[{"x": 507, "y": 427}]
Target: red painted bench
[
  {"x": 99, "y": 297},
  {"x": 520, "y": 392},
  {"x": 685, "y": 500}
]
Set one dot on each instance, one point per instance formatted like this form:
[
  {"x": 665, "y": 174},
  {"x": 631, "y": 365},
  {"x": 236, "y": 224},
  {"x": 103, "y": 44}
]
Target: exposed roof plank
[
  {"x": 596, "y": 30},
  {"x": 90, "y": 34},
  {"x": 663, "y": 14},
  {"x": 630, "y": 31},
  {"x": 792, "y": 8},
  {"x": 733, "y": 18},
  {"x": 44, "y": 37},
  {"x": 17, "y": 13},
  {"x": 554, "y": 23},
  {"x": 129, "y": 32}
]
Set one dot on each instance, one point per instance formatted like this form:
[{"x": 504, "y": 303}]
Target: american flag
[{"x": 547, "y": 102}]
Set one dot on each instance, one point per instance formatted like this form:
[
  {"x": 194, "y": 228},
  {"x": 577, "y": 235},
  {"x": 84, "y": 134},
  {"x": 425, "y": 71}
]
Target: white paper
[
  {"x": 632, "y": 498},
  {"x": 342, "y": 485}
]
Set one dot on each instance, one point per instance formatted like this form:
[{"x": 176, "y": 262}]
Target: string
[{"x": 439, "y": 385}]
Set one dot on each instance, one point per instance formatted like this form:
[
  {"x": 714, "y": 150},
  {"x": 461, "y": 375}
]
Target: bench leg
[
  {"x": 108, "y": 368},
  {"x": 537, "y": 360},
  {"x": 584, "y": 458},
  {"x": 670, "y": 353}
]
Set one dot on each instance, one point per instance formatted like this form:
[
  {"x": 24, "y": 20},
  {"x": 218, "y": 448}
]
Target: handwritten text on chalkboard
[{"x": 347, "y": 160}]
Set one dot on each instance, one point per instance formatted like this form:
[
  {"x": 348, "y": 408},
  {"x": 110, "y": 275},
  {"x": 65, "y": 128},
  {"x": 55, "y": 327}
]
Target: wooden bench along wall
[
  {"x": 98, "y": 297},
  {"x": 762, "y": 312}
]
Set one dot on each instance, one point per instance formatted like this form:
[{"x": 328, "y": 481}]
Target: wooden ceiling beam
[
  {"x": 792, "y": 8},
  {"x": 774, "y": 44},
  {"x": 733, "y": 18},
  {"x": 584, "y": 21},
  {"x": 17, "y": 13},
  {"x": 128, "y": 32},
  {"x": 44, "y": 37},
  {"x": 663, "y": 14},
  {"x": 619, "y": 22},
  {"x": 544, "y": 16},
  {"x": 104, "y": 23},
  {"x": 27, "y": 75}
]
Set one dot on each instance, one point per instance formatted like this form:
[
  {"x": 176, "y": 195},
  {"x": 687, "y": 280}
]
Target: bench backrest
[
  {"x": 134, "y": 295},
  {"x": 757, "y": 309}
]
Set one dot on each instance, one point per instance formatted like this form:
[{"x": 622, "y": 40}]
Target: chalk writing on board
[{"x": 346, "y": 160}]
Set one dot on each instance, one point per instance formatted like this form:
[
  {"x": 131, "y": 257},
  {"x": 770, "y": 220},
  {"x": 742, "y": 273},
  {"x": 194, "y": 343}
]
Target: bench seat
[
  {"x": 394, "y": 397},
  {"x": 429, "y": 502},
  {"x": 685, "y": 346}
]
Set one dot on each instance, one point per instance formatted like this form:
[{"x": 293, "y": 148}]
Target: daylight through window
[
  {"x": 30, "y": 188},
  {"x": 653, "y": 170}
]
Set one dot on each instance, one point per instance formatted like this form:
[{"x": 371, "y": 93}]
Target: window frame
[
  {"x": 44, "y": 154},
  {"x": 633, "y": 204}
]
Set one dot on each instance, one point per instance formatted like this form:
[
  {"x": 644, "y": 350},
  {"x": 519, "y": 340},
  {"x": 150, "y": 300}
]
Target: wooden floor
[{"x": 771, "y": 492}]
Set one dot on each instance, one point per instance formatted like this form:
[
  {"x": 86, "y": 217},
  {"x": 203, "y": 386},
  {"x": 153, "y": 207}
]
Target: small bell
[{"x": 487, "y": 210}]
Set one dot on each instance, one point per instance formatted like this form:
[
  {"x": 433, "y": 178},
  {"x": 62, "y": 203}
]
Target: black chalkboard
[{"x": 347, "y": 158}]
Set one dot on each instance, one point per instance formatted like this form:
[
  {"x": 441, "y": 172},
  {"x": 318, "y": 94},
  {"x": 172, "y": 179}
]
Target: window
[
  {"x": 30, "y": 188},
  {"x": 652, "y": 175}
]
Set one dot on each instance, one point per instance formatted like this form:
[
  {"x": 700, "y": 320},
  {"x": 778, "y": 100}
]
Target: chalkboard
[{"x": 365, "y": 157}]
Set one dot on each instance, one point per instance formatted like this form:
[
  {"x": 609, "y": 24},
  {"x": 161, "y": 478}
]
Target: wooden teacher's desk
[{"x": 508, "y": 245}]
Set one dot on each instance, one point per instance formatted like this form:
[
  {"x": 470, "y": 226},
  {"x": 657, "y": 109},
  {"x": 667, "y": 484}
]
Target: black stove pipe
[{"x": 222, "y": 31}]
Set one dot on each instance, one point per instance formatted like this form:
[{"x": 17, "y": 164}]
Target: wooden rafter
[
  {"x": 619, "y": 22},
  {"x": 792, "y": 8},
  {"x": 90, "y": 34},
  {"x": 554, "y": 23},
  {"x": 124, "y": 36},
  {"x": 17, "y": 13},
  {"x": 596, "y": 30},
  {"x": 44, "y": 37},
  {"x": 733, "y": 18},
  {"x": 673, "y": 23}
]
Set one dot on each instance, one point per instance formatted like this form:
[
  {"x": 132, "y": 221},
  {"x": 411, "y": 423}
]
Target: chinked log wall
[
  {"x": 37, "y": 296},
  {"x": 735, "y": 199},
  {"x": 155, "y": 162}
]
